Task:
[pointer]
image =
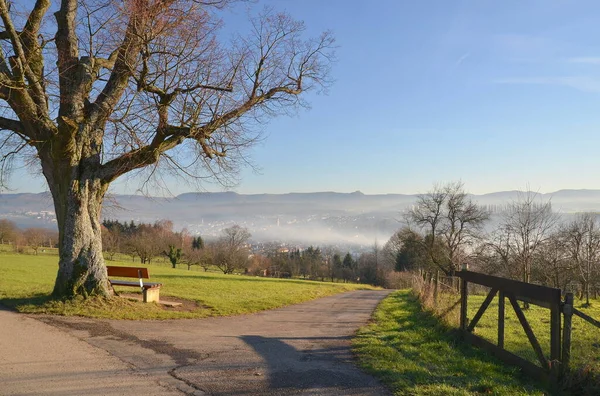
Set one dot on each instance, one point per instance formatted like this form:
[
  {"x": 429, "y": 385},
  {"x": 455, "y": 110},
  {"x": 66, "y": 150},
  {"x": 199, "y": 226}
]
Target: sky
[{"x": 502, "y": 95}]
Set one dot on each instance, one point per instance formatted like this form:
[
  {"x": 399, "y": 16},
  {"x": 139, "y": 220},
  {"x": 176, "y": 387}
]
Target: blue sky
[{"x": 499, "y": 94}]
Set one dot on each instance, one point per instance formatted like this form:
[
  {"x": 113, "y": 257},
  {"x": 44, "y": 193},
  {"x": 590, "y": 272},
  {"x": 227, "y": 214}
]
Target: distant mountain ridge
[{"x": 320, "y": 215}]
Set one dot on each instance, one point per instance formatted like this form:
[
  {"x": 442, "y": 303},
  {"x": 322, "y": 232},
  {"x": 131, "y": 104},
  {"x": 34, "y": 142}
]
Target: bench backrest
[{"x": 128, "y": 272}]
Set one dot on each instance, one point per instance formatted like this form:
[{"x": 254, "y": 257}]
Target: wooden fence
[{"x": 551, "y": 367}]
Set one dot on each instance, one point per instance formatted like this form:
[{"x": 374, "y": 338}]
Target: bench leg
[{"x": 151, "y": 295}]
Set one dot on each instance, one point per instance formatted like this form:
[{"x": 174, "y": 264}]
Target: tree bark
[{"x": 77, "y": 200}]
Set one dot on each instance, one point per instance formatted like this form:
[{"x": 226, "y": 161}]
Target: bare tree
[
  {"x": 146, "y": 243},
  {"x": 449, "y": 218},
  {"x": 111, "y": 241},
  {"x": 462, "y": 223},
  {"x": 8, "y": 231},
  {"x": 552, "y": 264},
  {"x": 110, "y": 87},
  {"x": 35, "y": 238},
  {"x": 583, "y": 244},
  {"x": 230, "y": 252},
  {"x": 496, "y": 254},
  {"x": 528, "y": 221},
  {"x": 427, "y": 214}
]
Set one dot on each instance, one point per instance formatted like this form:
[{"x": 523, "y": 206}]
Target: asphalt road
[{"x": 302, "y": 349}]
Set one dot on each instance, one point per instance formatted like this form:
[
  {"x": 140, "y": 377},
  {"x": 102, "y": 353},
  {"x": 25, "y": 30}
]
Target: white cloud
[{"x": 462, "y": 59}]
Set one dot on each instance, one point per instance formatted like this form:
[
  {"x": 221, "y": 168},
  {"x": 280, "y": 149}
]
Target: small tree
[
  {"x": 198, "y": 243},
  {"x": 146, "y": 243},
  {"x": 348, "y": 268},
  {"x": 174, "y": 254},
  {"x": 111, "y": 241},
  {"x": 412, "y": 254},
  {"x": 8, "y": 231},
  {"x": 230, "y": 251},
  {"x": 337, "y": 267},
  {"x": 35, "y": 238}
]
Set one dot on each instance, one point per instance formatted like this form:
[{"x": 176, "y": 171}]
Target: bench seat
[
  {"x": 150, "y": 290},
  {"x": 147, "y": 285}
]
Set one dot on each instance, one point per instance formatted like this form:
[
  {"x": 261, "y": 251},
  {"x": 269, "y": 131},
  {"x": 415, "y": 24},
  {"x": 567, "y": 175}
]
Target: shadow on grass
[
  {"x": 13, "y": 304},
  {"x": 413, "y": 352}
]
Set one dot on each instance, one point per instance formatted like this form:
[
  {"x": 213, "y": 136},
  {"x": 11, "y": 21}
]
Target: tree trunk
[
  {"x": 436, "y": 285},
  {"x": 587, "y": 293},
  {"x": 78, "y": 203}
]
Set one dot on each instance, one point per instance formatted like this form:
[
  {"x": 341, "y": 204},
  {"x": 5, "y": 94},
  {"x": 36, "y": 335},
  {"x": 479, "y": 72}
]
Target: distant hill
[{"x": 321, "y": 216}]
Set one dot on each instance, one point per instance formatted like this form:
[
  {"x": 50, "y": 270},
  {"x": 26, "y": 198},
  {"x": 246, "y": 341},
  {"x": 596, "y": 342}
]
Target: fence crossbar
[
  {"x": 530, "y": 335},
  {"x": 585, "y": 317},
  {"x": 481, "y": 311},
  {"x": 539, "y": 295}
]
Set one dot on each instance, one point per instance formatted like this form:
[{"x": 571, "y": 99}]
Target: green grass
[
  {"x": 26, "y": 282},
  {"x": 585, "y": 347},
  {"x": 414, "y": 354}
]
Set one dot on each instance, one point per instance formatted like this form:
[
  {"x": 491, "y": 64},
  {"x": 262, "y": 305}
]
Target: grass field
[
  {"x": 585, "y": 348},
  {"x": 26, "y": 282},
  {"x": 414, "y": 354}
]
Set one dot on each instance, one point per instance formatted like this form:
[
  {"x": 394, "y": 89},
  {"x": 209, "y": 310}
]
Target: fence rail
[{"x": 507, "y": 289}]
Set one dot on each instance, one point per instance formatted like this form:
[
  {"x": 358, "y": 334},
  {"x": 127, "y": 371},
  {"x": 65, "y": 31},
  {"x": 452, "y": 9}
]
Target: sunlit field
[{"x": 26, "y": 282}]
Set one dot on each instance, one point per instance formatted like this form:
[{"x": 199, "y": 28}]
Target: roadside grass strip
[{"x": 413, "y": 353}]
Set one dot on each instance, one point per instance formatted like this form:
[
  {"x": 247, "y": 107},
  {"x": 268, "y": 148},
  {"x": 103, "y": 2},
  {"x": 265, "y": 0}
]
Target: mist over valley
[{"x": 322, "y": 218}]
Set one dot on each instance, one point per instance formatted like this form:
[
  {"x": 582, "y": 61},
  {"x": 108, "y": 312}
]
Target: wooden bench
[{"x": 150, "y": 290}]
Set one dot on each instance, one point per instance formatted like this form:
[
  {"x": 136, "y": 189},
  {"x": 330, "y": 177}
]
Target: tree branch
[
  {"x": 122, "y": 70},
  {"x": 34, "y": 21},
  {"x": 12, "y": 125},
  {"x": 68, "y": 54},
  {"x": 21, "y": 65}
]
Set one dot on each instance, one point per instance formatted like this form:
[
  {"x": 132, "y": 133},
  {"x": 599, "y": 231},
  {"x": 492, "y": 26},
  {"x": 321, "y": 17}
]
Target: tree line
[
  {"x": 228, "y": 253},
  {"x": 231, "y": 252},
  {"x": 446, "y": 229},
  {"x": 324, "y": 264},
  {"x": 35, "y": 238}
]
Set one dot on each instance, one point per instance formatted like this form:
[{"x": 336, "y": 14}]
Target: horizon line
[{"x": 357, "y": 192}]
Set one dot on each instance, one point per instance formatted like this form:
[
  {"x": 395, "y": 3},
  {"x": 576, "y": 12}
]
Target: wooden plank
[
  {"x": 501, "y": 319},
  {"x": 586, "y": 317},
  {"x": 555, "y": 338},
  {"x": 534, "y": 342},
  {"x": 566, "y": 341},
  {"x": 544, "y": 304},
  {"x": 481, "y": 311},
  {"x": 536, "y": 294},
  {"x": 526, "y": 366},
  {"x": 463, "y": 304},
  {"x": 127, "y": 272},
  {"x": 146, "y": 285}
]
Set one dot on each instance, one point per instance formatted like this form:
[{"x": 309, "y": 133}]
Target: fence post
[
  {"x": 463, "y": 301},
  {"x": 501, "y": 319},
  {"x": 566, "y": 341},
  {"x": 555, "y": 344}
]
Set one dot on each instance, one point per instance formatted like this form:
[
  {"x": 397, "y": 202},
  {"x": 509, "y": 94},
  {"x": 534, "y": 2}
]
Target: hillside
[{"x": 322, "y": 217}]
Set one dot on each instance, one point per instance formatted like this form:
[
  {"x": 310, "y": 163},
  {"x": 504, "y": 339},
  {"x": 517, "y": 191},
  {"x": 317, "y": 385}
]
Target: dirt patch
[{"x": 184, "y": 305}]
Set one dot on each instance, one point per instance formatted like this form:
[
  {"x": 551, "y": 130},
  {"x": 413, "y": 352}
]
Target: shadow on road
[{"x": 317, "y": 368}]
